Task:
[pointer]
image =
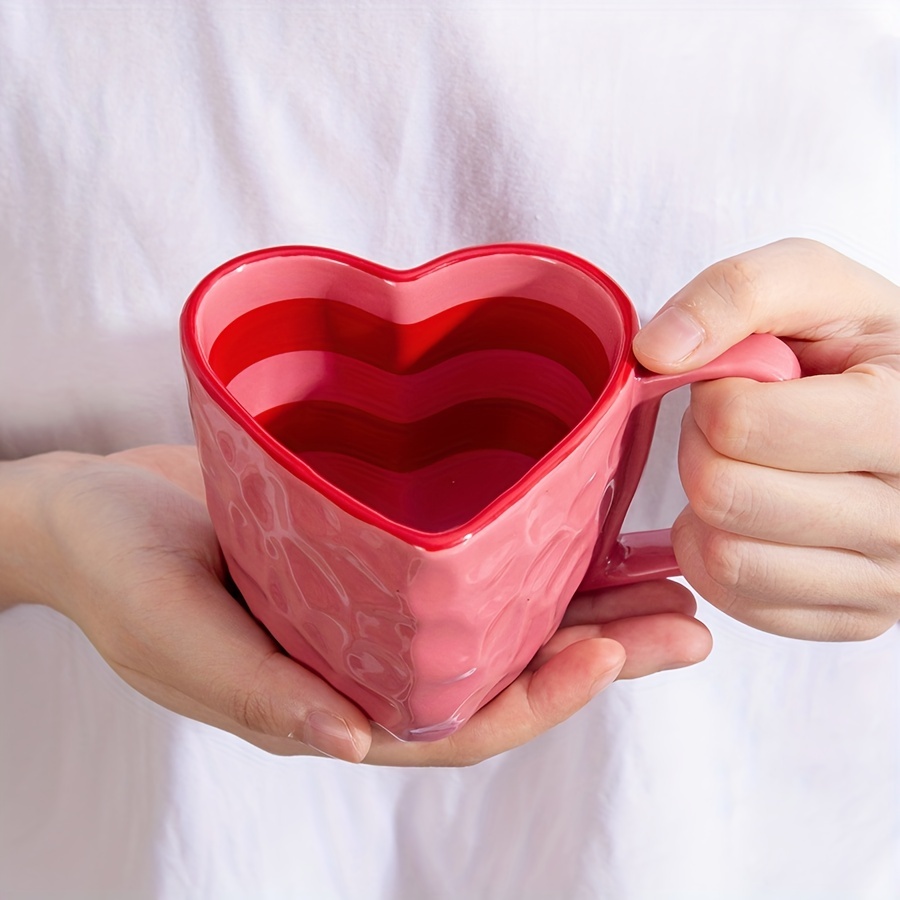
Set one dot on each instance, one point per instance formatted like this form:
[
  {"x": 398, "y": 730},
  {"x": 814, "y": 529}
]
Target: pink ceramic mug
[{"x": 412, "y": 472}]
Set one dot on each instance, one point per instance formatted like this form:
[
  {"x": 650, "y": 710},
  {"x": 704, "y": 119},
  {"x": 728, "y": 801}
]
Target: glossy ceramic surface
[{"x": 411, "y": 472}]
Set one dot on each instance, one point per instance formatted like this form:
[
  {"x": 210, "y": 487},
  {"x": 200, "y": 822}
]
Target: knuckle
[
  {"x": 716, "y": 493},
  {"x": 735, "y": 281},
  {"x": 684, "y": 540},
  {"x": 253, "y": 707},
  {"x": 253, "y": 710},
  {"x": 727, "y": 424},
  {"x": 815, "y": 250},
  {"x": 726, "y": 559}
]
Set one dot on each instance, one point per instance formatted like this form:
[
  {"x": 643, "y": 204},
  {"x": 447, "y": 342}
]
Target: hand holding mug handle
[{"x": 647, "y": 555}]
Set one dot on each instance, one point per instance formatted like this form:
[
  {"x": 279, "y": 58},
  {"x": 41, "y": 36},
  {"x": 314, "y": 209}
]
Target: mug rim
[{"x": 622, "y": 365}]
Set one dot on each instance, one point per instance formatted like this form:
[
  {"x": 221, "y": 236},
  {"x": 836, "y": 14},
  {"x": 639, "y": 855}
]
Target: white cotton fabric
[{"x": 143, "y": 143}]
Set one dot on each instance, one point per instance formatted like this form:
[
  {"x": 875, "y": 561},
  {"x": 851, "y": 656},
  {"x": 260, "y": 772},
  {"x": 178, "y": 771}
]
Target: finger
[
  {"x": 534, "y": 703},
  {"x": 793, "y": 288},
  {"x": 803, "y": 592},
  {"x": 208, "y": 653},
  {"x": 628, "y": 601},
  {"x": 858, "y": 512},
  {"x": 661, "y": 642},
  {"x": 825, "y": 423},
  {"x": 653, "y": 643}
]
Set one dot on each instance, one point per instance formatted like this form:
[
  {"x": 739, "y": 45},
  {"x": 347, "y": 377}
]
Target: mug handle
[{"x": 646, "y": 555}]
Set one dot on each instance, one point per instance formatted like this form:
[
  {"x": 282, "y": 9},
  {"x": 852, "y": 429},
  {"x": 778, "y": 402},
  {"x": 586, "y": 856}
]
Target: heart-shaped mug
[{"x": 411, "y": 472}]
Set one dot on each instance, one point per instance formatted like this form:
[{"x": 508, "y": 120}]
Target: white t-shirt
[{"x": 143, "y": 143}]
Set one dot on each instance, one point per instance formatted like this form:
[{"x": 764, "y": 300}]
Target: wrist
[{"x": 28, "y": 490}]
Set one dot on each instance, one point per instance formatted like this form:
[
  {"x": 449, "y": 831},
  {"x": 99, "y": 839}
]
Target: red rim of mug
[{"x": 622, "y": 369}]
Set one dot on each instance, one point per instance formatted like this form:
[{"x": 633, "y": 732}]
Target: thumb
[{"x": 793, "y": 288}]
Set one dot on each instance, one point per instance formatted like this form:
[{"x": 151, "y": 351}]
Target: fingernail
[
  {"x": 671, "y": 337},
  {"x": 332, "y": 735}
]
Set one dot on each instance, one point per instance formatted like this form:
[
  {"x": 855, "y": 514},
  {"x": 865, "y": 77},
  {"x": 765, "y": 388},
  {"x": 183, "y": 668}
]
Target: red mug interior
[{"x": 424, "y": 401}]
